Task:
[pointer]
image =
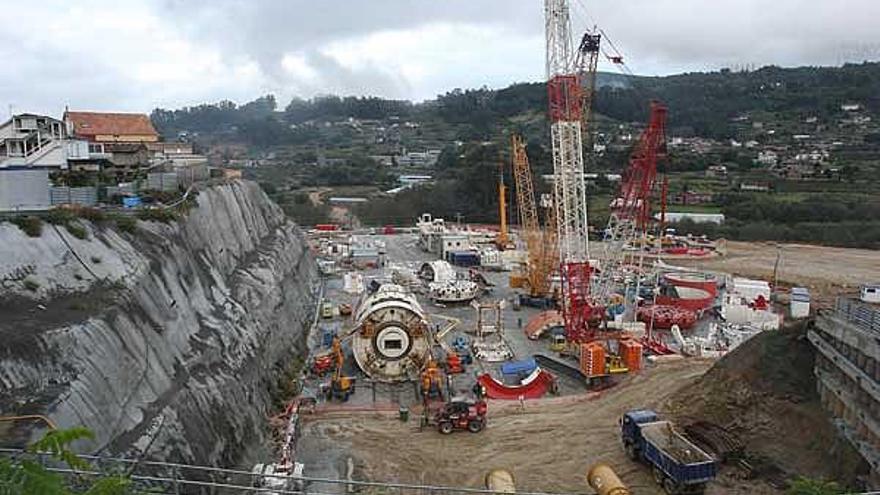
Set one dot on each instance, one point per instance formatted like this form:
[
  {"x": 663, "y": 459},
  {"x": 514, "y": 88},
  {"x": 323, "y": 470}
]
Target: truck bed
[{"x": 664, "y": 437}]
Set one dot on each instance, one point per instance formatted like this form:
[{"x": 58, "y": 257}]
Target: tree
[{"x": 23, "y": 476}]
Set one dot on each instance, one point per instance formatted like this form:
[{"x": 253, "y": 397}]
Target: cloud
[{"x": 102, "y": 54}]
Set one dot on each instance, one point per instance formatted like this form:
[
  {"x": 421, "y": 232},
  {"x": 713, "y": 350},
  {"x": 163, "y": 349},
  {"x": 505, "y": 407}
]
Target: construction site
[
  {"x": 637, "y": 361},
  {"x": 546, "y": 354}
]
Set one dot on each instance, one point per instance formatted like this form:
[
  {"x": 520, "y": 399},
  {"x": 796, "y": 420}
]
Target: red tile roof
[{"x": 90, "y": 124}]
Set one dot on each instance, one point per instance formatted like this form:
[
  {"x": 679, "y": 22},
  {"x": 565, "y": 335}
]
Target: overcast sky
[{"x": 132, "y": 55}]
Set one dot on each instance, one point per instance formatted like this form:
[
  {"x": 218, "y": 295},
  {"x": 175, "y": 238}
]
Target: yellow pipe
[
  {"x": 604, "y": 480},
  {"x": 39, "y": 417},
  {"x": 500, "y": 481}
]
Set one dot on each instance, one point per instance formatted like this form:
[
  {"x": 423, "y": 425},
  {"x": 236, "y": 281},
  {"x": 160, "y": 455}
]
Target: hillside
[
  {"x": 764, "y": 393},
  {"x": 797, "y": 149}
]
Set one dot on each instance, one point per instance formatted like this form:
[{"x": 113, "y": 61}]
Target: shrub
[
  {"x": 32, "y": 226},
  {"x": 163, "y": 215},
  {"x": 77, "y": 230},
  {"x": 60, "y": 216},
  {"x": 93, "y": 215},
  {"x": 31, "y": 284},
  {"x": 126, "y": 223}
]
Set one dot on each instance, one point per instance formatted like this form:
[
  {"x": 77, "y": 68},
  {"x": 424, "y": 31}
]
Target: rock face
[{"x": 166, "y": 340}]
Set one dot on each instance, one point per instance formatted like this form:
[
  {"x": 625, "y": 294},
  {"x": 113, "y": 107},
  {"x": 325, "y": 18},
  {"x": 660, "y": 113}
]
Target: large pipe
[
  {"x": 604, "y": 480},
  {"x": 500, "y": 481}
]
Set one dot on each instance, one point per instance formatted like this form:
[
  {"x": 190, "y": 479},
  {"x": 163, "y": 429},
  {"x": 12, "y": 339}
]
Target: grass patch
[
  {"x": 30, "y": 225},
  {"x": 126, "y": 223},
  {"x": 77, "y": 230}
]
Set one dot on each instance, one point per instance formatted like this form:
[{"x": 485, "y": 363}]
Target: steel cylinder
[
  {"x": 391, "y": 342},
  {"x": 501, "y": 481},
  {"x": 604, "y": 480}
]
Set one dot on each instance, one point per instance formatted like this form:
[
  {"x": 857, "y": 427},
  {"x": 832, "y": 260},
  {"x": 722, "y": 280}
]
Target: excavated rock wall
[{"x": 166, "y": 340}]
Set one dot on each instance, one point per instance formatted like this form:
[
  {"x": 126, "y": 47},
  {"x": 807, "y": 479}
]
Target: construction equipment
[
  {"x": 431, "y": 381},
  {"x": 502, "y": 241},
  {"x": 461, "y": 414},
  {"x": 341, "y": 386},
  {"x": 566, "y": 70},
  {"x": 541, "y": 262},
  {"x": 631, "y": 209},
  {"x": 678, "y": 465}
]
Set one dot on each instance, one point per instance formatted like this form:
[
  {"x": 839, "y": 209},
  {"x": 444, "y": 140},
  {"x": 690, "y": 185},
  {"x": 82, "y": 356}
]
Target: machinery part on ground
[
  {"x": 500, "y": 481},
  {"x": 453, "y": 291},
  {"x": 392, "y": 340},
  {"x": 542, "y": 323},
  {"x": 534, "y": 386},
  {"x": 605, "y": 481},
  {"x": 661, "y": 316}
]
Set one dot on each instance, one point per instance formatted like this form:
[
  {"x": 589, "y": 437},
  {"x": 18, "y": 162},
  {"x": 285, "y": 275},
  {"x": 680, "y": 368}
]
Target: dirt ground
[
  {"x": 825, "y": 270},
  {"x": 548, "y": 446}
]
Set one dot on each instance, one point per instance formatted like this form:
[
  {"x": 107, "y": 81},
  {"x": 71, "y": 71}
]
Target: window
[{"x": 393, "y": 344}]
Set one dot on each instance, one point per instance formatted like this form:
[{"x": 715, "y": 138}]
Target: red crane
[{"x": 631, "y": 209}]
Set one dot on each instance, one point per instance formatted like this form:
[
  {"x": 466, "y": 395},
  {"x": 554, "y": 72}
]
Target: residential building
[
  {"x": 847, "y": 369},
  {"x": 31, "y": 146},
  {"x": 123, "y": 135}
]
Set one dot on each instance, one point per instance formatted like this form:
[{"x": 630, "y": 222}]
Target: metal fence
[
  {"x": 163, "y": 181},
  {"x": 171, "y": 478},
  {"x": 862, "y": 315},
  {"x": 60, "y": 195}
]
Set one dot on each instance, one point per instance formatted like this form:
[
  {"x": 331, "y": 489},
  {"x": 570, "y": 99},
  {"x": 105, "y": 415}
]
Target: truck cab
[{"x": 630, "y": 431}]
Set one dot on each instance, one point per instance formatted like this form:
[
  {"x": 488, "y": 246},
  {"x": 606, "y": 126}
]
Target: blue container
[
  {"x": 131, "y": 201},
  {"x": 524, "y": 367}
]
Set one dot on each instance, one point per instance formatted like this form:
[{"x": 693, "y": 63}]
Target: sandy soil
[
  {"x": 548, "y": 446},
  {"x": 827, "y": 271}
]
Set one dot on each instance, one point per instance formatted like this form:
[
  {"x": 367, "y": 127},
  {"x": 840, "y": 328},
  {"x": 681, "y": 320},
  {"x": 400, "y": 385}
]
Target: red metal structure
[
  {"x": 631, "y": 209},
  {"x": 634, "y": 200}
]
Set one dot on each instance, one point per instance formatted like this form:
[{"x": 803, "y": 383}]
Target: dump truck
[{"x": 679, "y": 466}]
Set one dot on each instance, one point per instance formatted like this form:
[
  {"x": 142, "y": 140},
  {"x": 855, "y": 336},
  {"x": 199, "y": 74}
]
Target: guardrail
[{"x": 174, "y": 478}]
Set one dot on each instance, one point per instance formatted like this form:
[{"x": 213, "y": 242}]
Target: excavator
[{"x": 341, "y": 386}]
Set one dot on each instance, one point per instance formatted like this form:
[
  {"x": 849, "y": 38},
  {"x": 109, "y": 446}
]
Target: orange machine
[
  {"x": 631, "y": 352},
  {"x": 431, "y": 380},
  {"x": 592, "y": 360}
]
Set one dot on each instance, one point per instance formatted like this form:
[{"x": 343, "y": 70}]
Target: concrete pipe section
[
  {"x": 500, "y": 481},
  {"x": 604, "y": 480},
  {"x": 392, "y": 339}
]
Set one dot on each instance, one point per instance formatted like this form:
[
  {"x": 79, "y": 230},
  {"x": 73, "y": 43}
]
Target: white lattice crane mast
[{"x": 565, "y": 112}]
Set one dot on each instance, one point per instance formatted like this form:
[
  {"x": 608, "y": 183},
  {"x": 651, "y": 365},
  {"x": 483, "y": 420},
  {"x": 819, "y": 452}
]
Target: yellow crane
[
  {"x": 502, "y": 241},
  {"x": 540, "y": 243}
]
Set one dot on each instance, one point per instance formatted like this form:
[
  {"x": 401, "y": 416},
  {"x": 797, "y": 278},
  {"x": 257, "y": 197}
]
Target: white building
[
  {"x": 673, "y": 217},
  {"x": 768, "y": 157},
  {"x": 31, "y": 146}
]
